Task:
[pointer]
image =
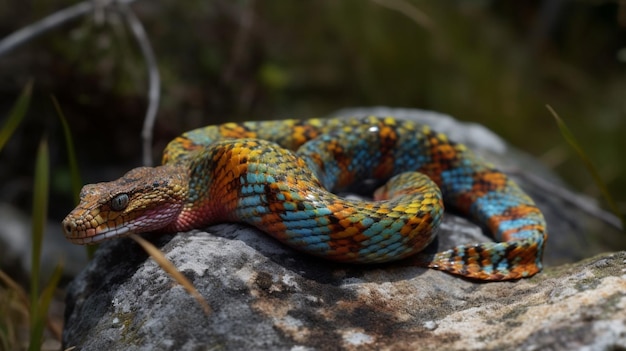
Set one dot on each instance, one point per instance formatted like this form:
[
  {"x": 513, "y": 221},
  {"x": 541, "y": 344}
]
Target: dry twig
[{"x": 154, "y": 81}]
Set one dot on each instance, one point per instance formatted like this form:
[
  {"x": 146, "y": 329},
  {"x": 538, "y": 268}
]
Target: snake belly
[{"x": 280, "y": 176}]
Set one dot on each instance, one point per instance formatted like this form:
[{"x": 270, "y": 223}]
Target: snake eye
[{"x": 119, "y": 202}]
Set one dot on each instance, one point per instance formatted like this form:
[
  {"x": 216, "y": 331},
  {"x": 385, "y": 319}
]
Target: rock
[{"x": 264, "y": 295}]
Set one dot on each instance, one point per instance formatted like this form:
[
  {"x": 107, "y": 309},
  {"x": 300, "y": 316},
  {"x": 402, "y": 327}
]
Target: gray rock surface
[{"x": 264, "y": 295}]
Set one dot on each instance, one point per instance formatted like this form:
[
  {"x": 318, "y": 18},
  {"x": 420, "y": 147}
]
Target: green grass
[
  {"x": 75, "y": 178},
  {"x": 40, "y": 213},
  {"x": 39, "y": 303},
  {"x": 591, "y": 168},
  {"x": 19, "y": 305},
  {"x": 16, "y": 115},
  {"x": 15, "y": 301}
]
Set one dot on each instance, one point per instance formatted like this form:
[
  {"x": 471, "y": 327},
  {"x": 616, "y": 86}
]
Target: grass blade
[
  {"x": 46, "y": 297},
  {"x": 571, "y": 140},
  {"x": 167, "y": 266},
  {"x": 16, "y": 115},
  {"x": 14, "y": 300},
  {"x": 13, "y": 285},
  {"x": 77, "y": 182},
  {"x": 40, "y": 213},
  {"x": 76, "y": 179}
]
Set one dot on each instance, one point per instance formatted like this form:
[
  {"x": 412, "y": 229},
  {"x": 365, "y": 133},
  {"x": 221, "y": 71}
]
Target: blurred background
[
  {"x": 492, "y": 62},
  {"x": 497, "y": 63}
]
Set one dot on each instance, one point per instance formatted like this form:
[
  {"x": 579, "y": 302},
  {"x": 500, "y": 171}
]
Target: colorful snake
[{"x": 279, "y": 176}]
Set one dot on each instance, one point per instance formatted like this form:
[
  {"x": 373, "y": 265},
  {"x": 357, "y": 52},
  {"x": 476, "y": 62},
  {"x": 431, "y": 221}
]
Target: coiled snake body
[{"x": 248, "y": 173}]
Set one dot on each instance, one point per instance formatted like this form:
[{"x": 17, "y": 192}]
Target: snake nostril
[{"x": 68, "y": 228}]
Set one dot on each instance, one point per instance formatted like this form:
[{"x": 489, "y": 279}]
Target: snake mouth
[{"x": 87, "y": 237}]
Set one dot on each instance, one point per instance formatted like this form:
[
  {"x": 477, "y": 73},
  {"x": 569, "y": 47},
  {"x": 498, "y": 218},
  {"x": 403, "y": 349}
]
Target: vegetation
[
  {"x": 33, "y": 306},
  {"x": 494, "y": 63}
]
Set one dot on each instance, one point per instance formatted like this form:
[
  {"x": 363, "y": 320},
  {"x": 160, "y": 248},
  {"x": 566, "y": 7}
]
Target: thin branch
[
  {"x": 154, "y": 81},
  {"x": 54, "y": 20}
]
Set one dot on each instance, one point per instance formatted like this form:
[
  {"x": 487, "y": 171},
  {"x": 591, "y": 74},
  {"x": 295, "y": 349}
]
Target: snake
[{"x": 284, "y": 176}]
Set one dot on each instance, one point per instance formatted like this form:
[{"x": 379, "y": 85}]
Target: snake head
[{"x": 143, "y": 200}]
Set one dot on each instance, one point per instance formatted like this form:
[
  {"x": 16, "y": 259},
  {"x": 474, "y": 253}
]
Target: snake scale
[{"x": 279, "y": 176}]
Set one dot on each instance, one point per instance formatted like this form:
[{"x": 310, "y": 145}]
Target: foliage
[
  {"x": 14, "y": 309},
  {"x": 495, "y": 63},
  {"x": 16, "y": 114},
  {"x": 36, "y": 304}
]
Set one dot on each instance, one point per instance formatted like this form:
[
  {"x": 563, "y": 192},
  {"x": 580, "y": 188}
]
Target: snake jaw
[{"x": 143, "y": 200}]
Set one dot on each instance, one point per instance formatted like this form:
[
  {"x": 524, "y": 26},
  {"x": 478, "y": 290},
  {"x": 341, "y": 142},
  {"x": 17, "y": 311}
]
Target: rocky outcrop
[{"x": 264, "y": 295}]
